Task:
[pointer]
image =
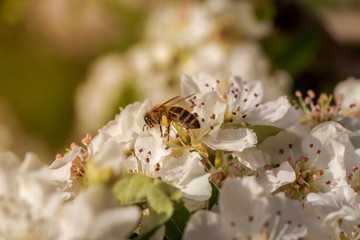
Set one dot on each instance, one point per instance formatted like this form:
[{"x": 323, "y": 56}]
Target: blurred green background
[{"x": 47, "y": 48}]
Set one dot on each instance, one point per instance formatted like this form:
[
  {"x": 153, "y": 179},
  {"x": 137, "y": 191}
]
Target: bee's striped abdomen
[{"x": 184, "y": 117}]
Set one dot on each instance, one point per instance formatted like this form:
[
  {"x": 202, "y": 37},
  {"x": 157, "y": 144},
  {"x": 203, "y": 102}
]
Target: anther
[
  {"x": 212, "y": 116},
  {"x": 141, "y": 150},
  {"x": 281, "y": 151},
  {"x": 73, "y": 145},
  {"x": 147, "y": 160},
  {"x": 149, "y": 152}
]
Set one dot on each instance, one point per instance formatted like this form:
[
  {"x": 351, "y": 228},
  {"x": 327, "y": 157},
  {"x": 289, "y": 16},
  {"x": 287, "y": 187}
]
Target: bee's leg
[
  {"x": 161, "y": 133},
  {"x": 168, "y": 132}
]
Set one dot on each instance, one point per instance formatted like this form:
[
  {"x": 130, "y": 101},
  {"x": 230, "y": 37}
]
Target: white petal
[
  {"x": 188, "y": 174},
  {"x": 9, "y": 167},
  {"x": 250, "y": 157},
  {"x": 204, "y": 225},
  {"x": 271, "y": 146},
  {"x": 350, "y": 89},
  {"x": 129, "y": 121},
  {"x": 116, "y": 223},
  {"x": 273, "y": 179},
  {"x": 211, "y": 111},
  {"x": 243, "y": 197},
  {"x": 290, "y": 210},
  {"x": 112, "y": 155},
  {"x": 232, "y": 140},
  {"x": 200, "y": 83},
  {"x": 149, "y": 147},
  {"x": 331, "y": 207},
  {"x": 60, "y": 168},
  {"x": 249, "y": 94},
  {"x": 277, "y": 113}
]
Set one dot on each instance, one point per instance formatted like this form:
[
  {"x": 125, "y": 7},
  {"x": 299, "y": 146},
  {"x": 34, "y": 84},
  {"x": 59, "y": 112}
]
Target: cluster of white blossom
[
  {"x": 252, "y": 169},
  {"x": 219, "y": 37}
]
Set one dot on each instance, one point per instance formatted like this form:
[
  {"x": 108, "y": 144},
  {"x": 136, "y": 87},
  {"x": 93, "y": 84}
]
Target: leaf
[
  {"x": 174, "y": 228},
  {"x": 214, "y": 196},
  {"x": 158, "y": 196},
  {"x": 264, "y": 131},
  {"x": 131, "y": 188},
  {"x": 160, "y": 206}
]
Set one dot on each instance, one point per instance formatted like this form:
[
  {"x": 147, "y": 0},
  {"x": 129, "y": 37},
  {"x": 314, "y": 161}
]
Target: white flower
[
  {"x": 339, "y": 211},
  {"x": 245, "y": 212},
  {"x": 186, "y": 172},
  {"x": 126, "y": 125},
  {"x": 243, "y": 100},
  {"x": 28, "y": 201},
  {"x": 68, "y": 172},
  {"x": 349, "y": 91},
  {"x": 95, "y": 214},
  {"x": 318, "y": 161}
]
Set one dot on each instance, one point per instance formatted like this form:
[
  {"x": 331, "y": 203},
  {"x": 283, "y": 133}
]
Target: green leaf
[
  {"x": 174, "y": 228},
  {"x": 131, "y": 188},
  {"x": 214, "y": 196},
  {"x": 160, "y": 206},
  {"x": 264, "y": 131},
  {"x": 158, "y": 196}
]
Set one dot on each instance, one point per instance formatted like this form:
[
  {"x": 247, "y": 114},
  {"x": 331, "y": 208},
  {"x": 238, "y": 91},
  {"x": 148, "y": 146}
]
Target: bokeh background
[{"x": 66, "y": 66}]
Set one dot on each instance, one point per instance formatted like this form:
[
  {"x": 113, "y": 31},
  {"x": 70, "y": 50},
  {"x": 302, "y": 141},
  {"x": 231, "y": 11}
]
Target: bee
[{"x": 164, "y": 114}]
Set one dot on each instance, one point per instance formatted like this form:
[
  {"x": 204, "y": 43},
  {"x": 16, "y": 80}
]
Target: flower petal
[
  {"x": 277, "y": 113},
  {"x": 235, "y": 140}
]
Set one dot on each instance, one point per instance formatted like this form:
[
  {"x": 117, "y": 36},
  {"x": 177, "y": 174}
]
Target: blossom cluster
[
  {"x": 220, "y": 37},
  {"x": 250, "y": 169}
]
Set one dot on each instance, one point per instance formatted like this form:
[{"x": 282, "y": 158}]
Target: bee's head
[{"x": 147, "y": 121}]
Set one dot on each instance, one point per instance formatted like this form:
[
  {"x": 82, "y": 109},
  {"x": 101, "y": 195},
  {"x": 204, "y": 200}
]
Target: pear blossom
[
  {"x": 95, "y": 214},
  {"x": 186, "y": 171},
  {"x": 318, "y": 161},
  {"x": 339, "y": 212},
  {"x": 243, "y": 100},
  {"x": 210, "y": 112},
  {"x": 68, "y": 172},
  {"x": 28, "y": 201},
  {"x": 246, "y": 212}
]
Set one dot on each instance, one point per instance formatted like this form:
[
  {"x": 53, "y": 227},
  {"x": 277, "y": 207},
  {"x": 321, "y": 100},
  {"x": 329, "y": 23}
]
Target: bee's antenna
[{"x": 144, "y": 126}]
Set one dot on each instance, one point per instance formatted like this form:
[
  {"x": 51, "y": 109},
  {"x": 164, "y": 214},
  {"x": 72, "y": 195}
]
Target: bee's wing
[{"x": 174, "y": 100}]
